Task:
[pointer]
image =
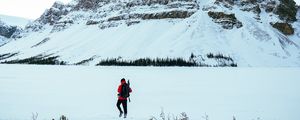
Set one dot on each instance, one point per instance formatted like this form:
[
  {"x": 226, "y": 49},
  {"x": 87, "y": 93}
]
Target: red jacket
[{"x": 119, "y": 91}]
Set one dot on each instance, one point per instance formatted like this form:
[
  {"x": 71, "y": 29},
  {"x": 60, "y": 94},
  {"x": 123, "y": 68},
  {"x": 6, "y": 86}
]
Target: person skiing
[{"x": 123, "y": 94}]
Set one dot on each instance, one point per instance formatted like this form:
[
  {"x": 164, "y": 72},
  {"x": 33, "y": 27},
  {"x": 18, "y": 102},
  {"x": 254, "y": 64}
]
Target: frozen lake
[{"x": 89, "y": 93}]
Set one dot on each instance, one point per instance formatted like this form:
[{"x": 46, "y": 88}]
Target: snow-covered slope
[{"x": 136, "y": 29}]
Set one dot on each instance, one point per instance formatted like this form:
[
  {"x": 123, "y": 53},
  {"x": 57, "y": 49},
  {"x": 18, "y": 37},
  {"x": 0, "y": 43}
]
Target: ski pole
[{"x": 129, "y": 88}]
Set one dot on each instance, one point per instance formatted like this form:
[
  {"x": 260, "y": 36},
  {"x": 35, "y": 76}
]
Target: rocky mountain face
[
  {"x": 285, "y": 9},
  {"x": 235, "y": 29},
  {"x": 108, "y": 13},
  {"x": 8, "y": 31},
  {"x": 10, "y": 27}
]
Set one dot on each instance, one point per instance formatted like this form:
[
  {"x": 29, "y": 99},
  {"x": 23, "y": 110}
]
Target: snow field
[{"x": 90, "y": 92}]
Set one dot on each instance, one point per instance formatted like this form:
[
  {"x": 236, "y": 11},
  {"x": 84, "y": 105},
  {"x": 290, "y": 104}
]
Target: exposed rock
[
  {"x": 255, "y": 9},
  {"x": 287, "y": 10},
  {"x": 92, "y": 22},
  {"x": 190, "y": 5},
  {"x": 129, "y": 23},
  {"x": 147, "y": 16},
  {"x": 231, "y": 2},
  {"x": 88, "y": 4},
  {"x": 105, "y": 25},
  {"x": 148, "y": 2},
  {"x": 61, "y": 25},
  {"x": 245, "y": 2},
  {"x": 58, "y": 5},
  {"x": 53, "y": 14},
  {"x": 270, "y": 6},
  {"x": 228, "y": 21},
  {"x": 151, "y": 2},
  {"x": 116, "y": 18},
  {"x": 42, "y": 42},
  {"x": 103, "y": 8},
  {"x": 7, "y": 30},
  {"x": 17, "y": 33},
  {"x": 171, "y": 14},
  {"x": 285, "y": 28},
  {"x": 170, "y": 3},
  {"x": 207, "y": 8},
  {"x": 226, "y": 3},
  {"x": 34, "y": 26}
]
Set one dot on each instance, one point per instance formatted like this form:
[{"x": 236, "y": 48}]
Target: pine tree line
[
  {"x": 224, "y": 61},
  {"x": 40, "y": 60},
  {"x": 219, "y": 56},
  {"x": 148, "y": 62},
  {"x": 84, "y": 61},
  {"x": 7, "y": 55}
]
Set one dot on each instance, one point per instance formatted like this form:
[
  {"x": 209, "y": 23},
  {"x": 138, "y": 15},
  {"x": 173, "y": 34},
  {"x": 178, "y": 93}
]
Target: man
[{"x": 123, "y": 94}]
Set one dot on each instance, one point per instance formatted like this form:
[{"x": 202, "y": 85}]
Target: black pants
[{"x": 124, "y": 104}]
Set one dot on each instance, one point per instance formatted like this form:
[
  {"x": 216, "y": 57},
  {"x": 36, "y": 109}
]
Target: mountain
[
  {"x": 10, "y": 25},
  {"x": 214, "y": 32},
  {"x": 15, "y": 21}
]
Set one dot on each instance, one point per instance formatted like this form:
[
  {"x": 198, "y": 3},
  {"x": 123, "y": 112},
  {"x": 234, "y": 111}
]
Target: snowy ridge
[
  {"x": 14, "y": 21},
  {"x": 10, "y": 25},
  {"x": 137, "y": 29}
]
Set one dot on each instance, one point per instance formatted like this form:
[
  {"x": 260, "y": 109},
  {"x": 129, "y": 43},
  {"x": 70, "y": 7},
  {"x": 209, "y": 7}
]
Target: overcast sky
[{"x": 31, "y": 8}]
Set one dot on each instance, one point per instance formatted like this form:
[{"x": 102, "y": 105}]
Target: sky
[{"x": 31, "y": 9}]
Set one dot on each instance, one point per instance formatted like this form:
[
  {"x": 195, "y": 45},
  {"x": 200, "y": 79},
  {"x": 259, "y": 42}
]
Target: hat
[{"x": 123, "y": 79}]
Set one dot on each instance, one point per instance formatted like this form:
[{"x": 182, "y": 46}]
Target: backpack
[{"x": 125, "y": 91}]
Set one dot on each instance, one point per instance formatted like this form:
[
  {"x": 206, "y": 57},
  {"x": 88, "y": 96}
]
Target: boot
[{"x": 121, "y": 113}]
